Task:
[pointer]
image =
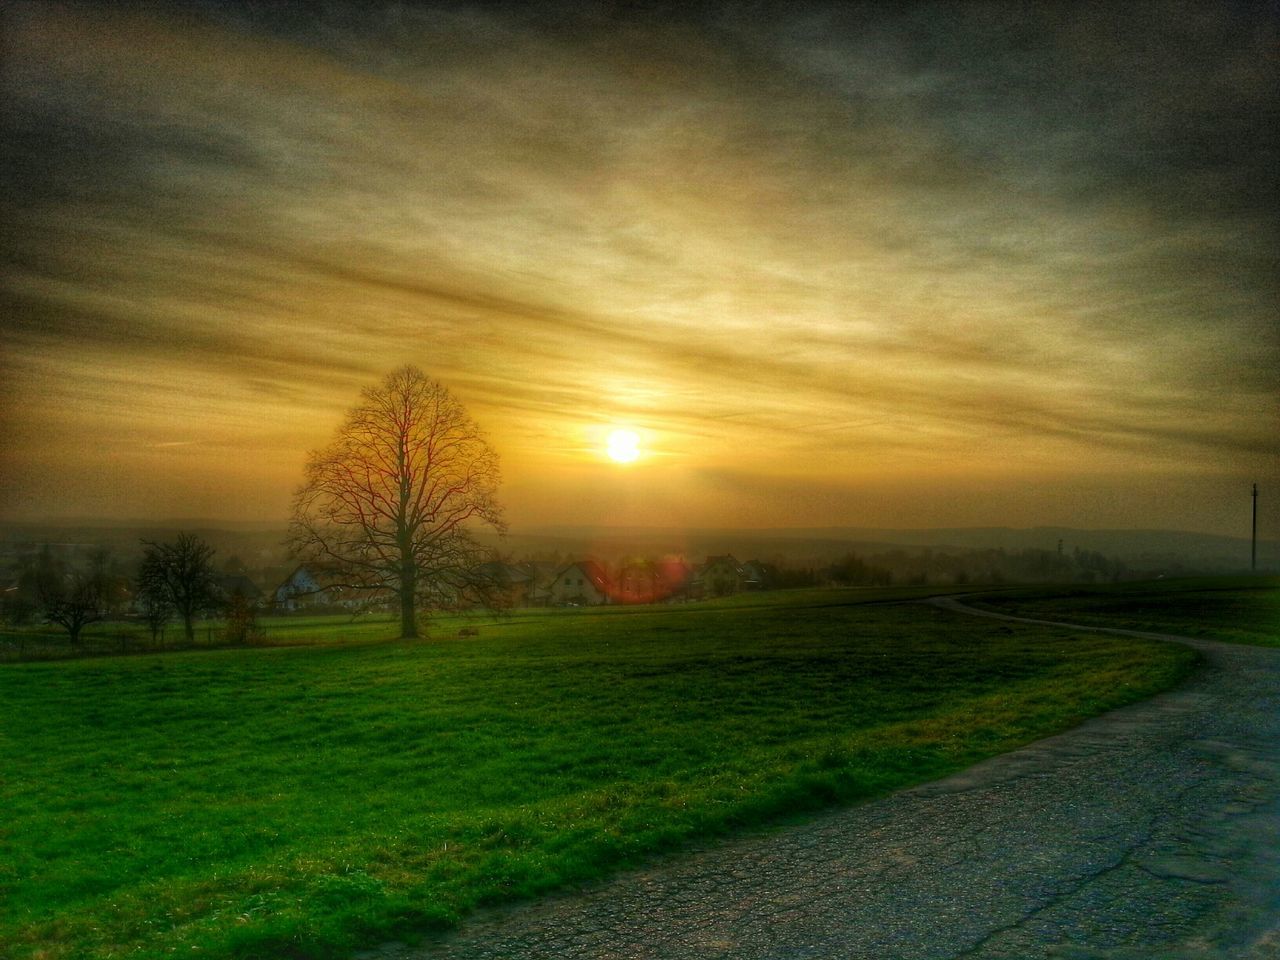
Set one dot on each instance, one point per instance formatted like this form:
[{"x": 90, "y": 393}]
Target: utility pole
[{"x": 1253, "y": 553}]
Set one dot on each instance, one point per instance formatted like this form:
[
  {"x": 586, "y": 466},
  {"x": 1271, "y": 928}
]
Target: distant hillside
[
  {"x": 255, "y": 544},
  {"x": 1142, "y": 549},
  {"x": 1129, "y": 545},
  {"x": 258, "y": 543}
]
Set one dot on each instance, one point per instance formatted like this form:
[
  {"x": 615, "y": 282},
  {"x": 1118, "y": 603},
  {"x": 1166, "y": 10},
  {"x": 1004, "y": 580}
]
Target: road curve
[{"x": 1150, "y": 832}]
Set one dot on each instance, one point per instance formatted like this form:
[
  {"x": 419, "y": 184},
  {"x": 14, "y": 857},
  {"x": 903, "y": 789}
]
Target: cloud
[{"x": 848, "y": 234}]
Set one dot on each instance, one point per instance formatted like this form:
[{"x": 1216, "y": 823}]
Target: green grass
[
  {"x": 1232, "y": 609},
  {"x": 113, "y": 637},
  {"x": 302, "y": 801}
]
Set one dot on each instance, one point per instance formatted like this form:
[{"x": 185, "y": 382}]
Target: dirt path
[{"x": 1152, "y": 832}]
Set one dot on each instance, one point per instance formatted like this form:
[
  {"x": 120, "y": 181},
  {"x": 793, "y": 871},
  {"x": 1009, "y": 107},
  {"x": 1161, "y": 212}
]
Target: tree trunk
[
  {"x": 188, "y": 624},
  {"x": 408, "y": 604}
]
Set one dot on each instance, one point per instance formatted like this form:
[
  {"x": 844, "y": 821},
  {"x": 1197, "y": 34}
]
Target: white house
[
  {"x": 584, "y": 583},
  {"x": 300, "y": 589},
  {"x": 319, "y": 585}
]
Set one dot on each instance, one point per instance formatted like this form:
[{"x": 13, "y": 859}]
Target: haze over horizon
[{"x": 835, "y": 265}]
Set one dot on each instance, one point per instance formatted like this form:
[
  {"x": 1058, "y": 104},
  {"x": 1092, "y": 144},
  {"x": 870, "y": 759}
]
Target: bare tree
[
  {"x": 74, "y": 598},
  {"x": 390, "y": 506},
  {"x": 156, "y": 612},
  {"x": 178, "y": 576}
]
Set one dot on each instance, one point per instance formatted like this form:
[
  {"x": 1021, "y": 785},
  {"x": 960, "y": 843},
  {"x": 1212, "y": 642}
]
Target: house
[
  {"x": 678, "y": 580},
  {"x": 722, "y": 576},
  {"x": 322, "y": 585},
  {"x": 758, "y": 575},
  {"x": 583, "y": 583},
  {"x": 512, "y": 583},
  {"x": 302, "y": 588},
  {"x": 542, "y": 574},
  {"x": 650, "y": 581},
  {"x": 638, "y": 581}
]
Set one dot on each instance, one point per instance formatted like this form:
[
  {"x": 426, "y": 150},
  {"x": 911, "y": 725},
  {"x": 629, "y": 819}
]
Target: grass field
[
  {"x": 1233, "y": 609},
  {"x": 300, "y": 801}
]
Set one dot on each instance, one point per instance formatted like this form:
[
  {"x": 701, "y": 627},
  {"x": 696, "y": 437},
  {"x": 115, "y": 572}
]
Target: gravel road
[{"x": 1150, "y": 832}]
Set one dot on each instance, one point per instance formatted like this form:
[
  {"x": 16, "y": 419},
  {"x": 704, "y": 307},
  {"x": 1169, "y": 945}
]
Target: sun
[{"x": 623, "y": 446}]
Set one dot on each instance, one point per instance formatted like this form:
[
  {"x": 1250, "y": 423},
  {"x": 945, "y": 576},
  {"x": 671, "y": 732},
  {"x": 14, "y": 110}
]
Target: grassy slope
[
  {"x": 262, "y": 802},
  {"x": 1233, "y": 609}
]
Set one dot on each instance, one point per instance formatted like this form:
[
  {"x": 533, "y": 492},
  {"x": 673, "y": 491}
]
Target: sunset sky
[{"x": 939, "y": 265}]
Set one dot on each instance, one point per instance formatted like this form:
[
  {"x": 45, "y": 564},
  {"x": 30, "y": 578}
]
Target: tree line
[
  {"x": 173, "y": 581},
  {"x": 978, "y": 566}
]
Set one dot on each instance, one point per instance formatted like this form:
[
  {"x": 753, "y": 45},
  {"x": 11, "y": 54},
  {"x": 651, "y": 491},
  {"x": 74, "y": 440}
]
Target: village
[
  {"x": 536, "y": 583},
  {"x": 269, "y": 584}
]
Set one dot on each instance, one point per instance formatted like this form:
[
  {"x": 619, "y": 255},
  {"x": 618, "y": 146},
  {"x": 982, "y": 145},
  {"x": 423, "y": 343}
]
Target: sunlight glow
[{"x": 623, "y": 446}]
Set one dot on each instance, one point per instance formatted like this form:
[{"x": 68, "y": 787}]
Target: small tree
[
  {"x": 178, "y": 576},
  {"x": 390, "y": 504},
  {"x": 242, "y": 621},
  {"x": 73, "y": 598}
]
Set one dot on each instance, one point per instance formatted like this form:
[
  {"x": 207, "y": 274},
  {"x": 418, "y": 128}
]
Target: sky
[{"x": 888, "y": 266}]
